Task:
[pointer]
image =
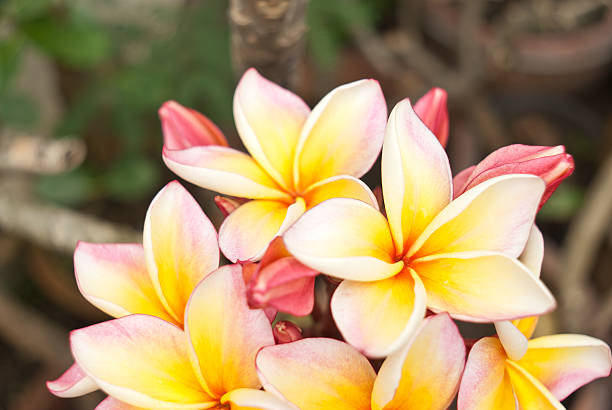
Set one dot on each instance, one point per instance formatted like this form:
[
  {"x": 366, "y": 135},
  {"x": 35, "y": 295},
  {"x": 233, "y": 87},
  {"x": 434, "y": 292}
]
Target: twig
[
  {"x": 60, "y": 287},
  {"x": 469, "y": 49},
  {"x": 268, "y": 35},
  {"x": 408, "y": 14},
  {"x": 375, "y": 50},
  {"x": 33, "y": 335},
  {"x": 40, "y": 155},
  {"x": 585, "y": 233},
  {"x": 414, "y": 55},
  {"x": 55, "y": 227},
  {"x": 602, "y": 320}
]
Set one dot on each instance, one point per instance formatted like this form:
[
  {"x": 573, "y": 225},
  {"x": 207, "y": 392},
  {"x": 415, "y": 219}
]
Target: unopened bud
[
  {"x": 432, "y": 110},
  {"x": 552, "y": 164},
  {"x": 286, "y": 332},
  {"x": 281, "y": 282},
  {"x": 185, "y": 128},
  {"x": 228, "y": 205}
]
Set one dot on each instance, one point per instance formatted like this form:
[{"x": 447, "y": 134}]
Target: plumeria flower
[
  {"x": 298, "y": 159},
  {"x": 431, "y": 108},
  {"x": 320, "y": 374},
  {"x": 450, "y": 255},
  {"x": 147, "y": 362},
  {"x": 512, "y": 372},
  {"x": 179, "y": 249},
  {"x": 552, "y": 164},
  {"x": 498, "y": 376}
]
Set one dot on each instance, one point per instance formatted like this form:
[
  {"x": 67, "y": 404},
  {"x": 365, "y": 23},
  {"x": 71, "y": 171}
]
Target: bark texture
[{"x": 270, "y": 36}]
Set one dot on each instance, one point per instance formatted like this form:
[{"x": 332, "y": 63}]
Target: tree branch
[
  {"x": 268, "y": 35},
  {"x": 584, "y": 236},
  {"x": 55, "y": 227}
]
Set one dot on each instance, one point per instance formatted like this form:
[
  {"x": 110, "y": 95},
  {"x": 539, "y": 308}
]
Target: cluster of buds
[{"x": 189, "y": 334}]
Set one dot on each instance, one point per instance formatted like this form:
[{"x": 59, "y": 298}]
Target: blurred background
[{"x": 80, "y": 141}]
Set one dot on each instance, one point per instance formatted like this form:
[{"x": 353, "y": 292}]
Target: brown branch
[
  {"x": 584, "y": 236},
  {"x": 33, "y": 335},
  {"x": 602, "y": 320},
  {"x": 375, "y": 50},
  {"x": 469, "y": 48},
  {"x": 59, "y": 286},
  {"x": 414, "y": 55},
  {"x": 40, "y": 155},
  {"x": 55, "y": 227},
  {"x": 268, "y": 35}
]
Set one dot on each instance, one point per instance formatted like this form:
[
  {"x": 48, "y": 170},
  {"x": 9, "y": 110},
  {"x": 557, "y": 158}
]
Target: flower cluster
[{"x": 189, "y": 334}]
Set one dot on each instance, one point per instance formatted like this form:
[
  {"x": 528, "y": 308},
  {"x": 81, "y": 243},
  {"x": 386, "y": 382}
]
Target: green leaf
[
  {"x": 563, "y": 204},
  {"x": 72, "y": 188},
  {"x": 132, "y": 178},
  {"x": 75, "y": 41},
  {"x": 18, "y": 110},
  {"x": 324, "y": 45},
  {"x": 331, "y": 23},
  {"x": 24, "y": 9},
  {"x": 10, "y": 55}
]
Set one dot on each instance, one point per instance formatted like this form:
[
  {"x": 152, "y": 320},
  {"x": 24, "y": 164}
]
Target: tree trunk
[{"x": 270, "y": 36}]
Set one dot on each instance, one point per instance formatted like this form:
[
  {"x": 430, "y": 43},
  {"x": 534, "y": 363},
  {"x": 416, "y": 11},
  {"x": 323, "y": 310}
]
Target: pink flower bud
[
  {"x": 432, "y": 110},
  {"x": 281, "y": 282},
  {"x": 286, "y": 332},
  {"x": 185, "y": 128},
  {"x": 552, "y": 164},
  {"x": 228, "y": 205}
]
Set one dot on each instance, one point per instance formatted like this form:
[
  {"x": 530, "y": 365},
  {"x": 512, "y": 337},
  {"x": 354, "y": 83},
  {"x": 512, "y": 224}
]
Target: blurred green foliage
[
  {"x": 564, "y": 204},
  {"x": 116, "y": 71}
]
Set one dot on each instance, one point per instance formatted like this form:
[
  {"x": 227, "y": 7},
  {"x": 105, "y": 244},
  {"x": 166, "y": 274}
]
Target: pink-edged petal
[
  {"x": 512, "y": 339},
  {"x": 251, "y": 399},
  {"x": 461, "y": 179},
  {"x": 341, "y": 186},
  {"x": 496, "y": 215},
  {"x": 269, "y": 120},
  {"x": 345, "y": 238},
  {"x": 533, "y": 254},
  {"x": 224, "y": 170},
  {"x": 317, "y": 373},
  {"x": 532, "y": 258},
  {"x": 529, "y": 392},
  {"x": 246, "y": 233},
  {"x": 114, "y": 278},
  {"x": 111, "y": 403},
  {"x": 563, "y": 363},
  {"x": 432, "y": 110},
  {"x": 186, "y": 128},
  {"x": 180, "y": 245},
  {"x": 286, "y": 285},
  {"x": 482, "y": 286},
  {"x": 416, "y": 176},
  {"x": 424, "y": 374},
  {"x": 485, "y": 383},
  {"x": 73, "y": 383},
  {"x": 377, "y": 318},
  {"x": 140, "y": 360},
  {"x": 343, "y": 135},
  {"x": 225, "y": 333},
  {"x": 552, "y": 164}
]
